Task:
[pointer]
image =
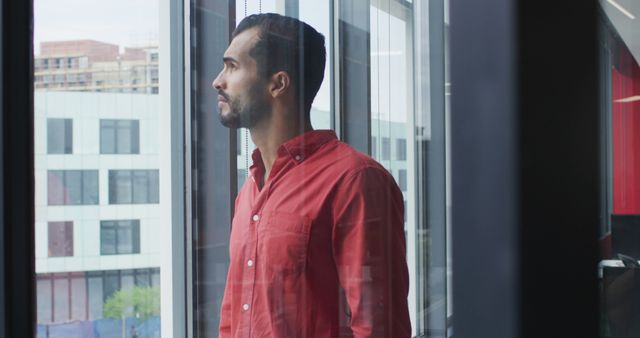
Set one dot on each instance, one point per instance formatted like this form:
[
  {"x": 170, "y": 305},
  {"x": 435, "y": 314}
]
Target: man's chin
[{"x": 229, "y": 121}]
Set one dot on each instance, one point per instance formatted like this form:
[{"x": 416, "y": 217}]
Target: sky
[{"x": 121, "y": 22}]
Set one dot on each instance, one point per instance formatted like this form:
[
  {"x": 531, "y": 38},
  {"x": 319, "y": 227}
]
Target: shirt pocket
[{"x": 284, "y": 242}]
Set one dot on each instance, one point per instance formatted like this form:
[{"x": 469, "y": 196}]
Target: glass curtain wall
[
  {"x": 404, "y": 118},
  {"x": 105, "y": 168},
  {"x": 409, "y": 110},
  {"x": 620, "y": 221}
]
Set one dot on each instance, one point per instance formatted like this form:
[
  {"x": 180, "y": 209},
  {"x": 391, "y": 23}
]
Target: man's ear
[{"x": 279, "y": 84}]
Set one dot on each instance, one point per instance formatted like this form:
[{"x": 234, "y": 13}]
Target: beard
[{"x": 246, "y": 110}]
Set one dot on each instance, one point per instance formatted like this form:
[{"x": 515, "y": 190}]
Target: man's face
[{"x": 242, "y": 95}]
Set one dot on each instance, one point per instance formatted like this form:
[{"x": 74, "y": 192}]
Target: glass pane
[
  {"x": 141, "y": 186},
  {"x": 78, "y": 298},
  {"x": 45, "y": 301},
  {"x": 124, "y": 137},
  {"x": 104, "y": 128},
  {"x": 107, "y": 137},
  {"x": 61, "y": 291},
  {"x": 125, "y": 240},
  {"x": 620, "y": 143},
  {"x": 73, "y": 186},
  {"x": 405, "y": 67},
  {"x": 59, "y": 136},
  {"x": 409, "y": 135},
  {"x": 90, "y": 187},
  {"x": 317, "y": 14},
  {"x": 108, "y": 240}
]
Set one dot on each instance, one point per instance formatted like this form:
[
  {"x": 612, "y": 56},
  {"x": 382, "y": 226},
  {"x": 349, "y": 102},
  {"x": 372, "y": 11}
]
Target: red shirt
[{"x": 319, "y": 251}]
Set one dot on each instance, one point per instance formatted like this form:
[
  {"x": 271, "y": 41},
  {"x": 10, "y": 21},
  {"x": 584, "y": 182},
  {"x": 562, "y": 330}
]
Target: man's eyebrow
[{"x": 229, "y": 59}]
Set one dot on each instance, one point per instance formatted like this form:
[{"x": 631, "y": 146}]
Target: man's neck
[{"x": 269, "y": 136}]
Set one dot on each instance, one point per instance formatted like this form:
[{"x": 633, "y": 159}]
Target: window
[
  {"x": 119, "y": 237},
  {"x": 402, "y": 179},
  {"x": 119, "y": 137},
  {"x": 72, "y": 187},
  {"x": 60, "y": 239},
  {"x": 401, "y": 149},
  {"x": 80, "y": 295},
  {"x": 116, "y": 144},
  {"x": 386, "y": 149},
  {"x": 59, "y": 136},
  {"x": 133, "y": 186}
]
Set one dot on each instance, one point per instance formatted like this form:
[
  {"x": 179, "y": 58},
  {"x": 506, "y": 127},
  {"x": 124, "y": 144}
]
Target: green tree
[{"x": 140, "y": 302}]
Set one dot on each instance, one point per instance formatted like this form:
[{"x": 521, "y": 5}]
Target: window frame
[
  {"x": 116, "y": 128},
  {"x": 82, "y": 182},
  {"x": 131, "y": 225},
  {"x": 132, "y": 178},
  {"x": 67, "y": 229}
]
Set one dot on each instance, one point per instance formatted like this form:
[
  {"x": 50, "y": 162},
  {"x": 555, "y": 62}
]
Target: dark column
[
  {"x": 17, "y": 262},
  {"x": 355, "y": 76},
  {"x": 214, "y": 163}
]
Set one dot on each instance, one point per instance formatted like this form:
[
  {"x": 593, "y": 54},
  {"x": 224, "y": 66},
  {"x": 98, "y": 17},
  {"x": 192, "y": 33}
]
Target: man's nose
[{"x": 217, "y": 82}]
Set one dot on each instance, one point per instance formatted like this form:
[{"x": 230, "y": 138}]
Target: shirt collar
[{"x": 300, "y": 147}]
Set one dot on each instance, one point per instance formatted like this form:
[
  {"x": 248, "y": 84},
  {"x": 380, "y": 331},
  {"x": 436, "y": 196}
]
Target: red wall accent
[{"x": 626, "y": 135}]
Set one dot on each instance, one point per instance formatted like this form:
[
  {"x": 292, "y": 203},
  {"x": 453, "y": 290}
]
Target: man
[{"x": 317, "y": 242}]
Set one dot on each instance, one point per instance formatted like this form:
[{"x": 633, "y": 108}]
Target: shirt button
[
  {"x": 298, "y": 157},
  {"x": 256, "y": 218},
  {"x": 250, "y": 262},
  {"x": 245, "y": 307}
]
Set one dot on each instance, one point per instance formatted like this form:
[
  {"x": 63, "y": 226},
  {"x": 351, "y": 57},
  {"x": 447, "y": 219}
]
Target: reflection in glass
[{"x": 620, "y": 142}]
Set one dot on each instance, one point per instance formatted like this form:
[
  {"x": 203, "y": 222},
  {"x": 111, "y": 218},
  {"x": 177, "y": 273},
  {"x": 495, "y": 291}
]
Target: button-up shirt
[{"x": 319, "y": 250}]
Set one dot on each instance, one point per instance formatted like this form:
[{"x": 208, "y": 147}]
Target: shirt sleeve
[
  {"x": 225, "y": 314},
  {"x": 369, "y": 252},
  {"x": 224, "y": 328}
]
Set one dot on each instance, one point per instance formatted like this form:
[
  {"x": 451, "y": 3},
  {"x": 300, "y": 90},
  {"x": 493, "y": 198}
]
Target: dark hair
[{"x": 290, "y": 45}]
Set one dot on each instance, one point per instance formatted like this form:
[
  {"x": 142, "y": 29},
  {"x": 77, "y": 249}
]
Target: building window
[
  {"x": 133, "y": 186},
  {"x": 119, "y": 237},
  {"x": 386, "y": 149},
  {"x": 59, "y": 136},
  {"x": 72, "y": 187},
  {"x": 60, "y": 239},
  {"x": 401, "y": 149},
  {"x": 402, "y": 179},
  {"x": 119, "y": 137}
]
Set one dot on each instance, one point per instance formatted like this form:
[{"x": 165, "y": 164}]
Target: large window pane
[
  {"x": 106, "y": 126},
  {"x": 620, "y": 143},
  {"x": 405, "y": 64},
  {"x": 408, "y": 137}
]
